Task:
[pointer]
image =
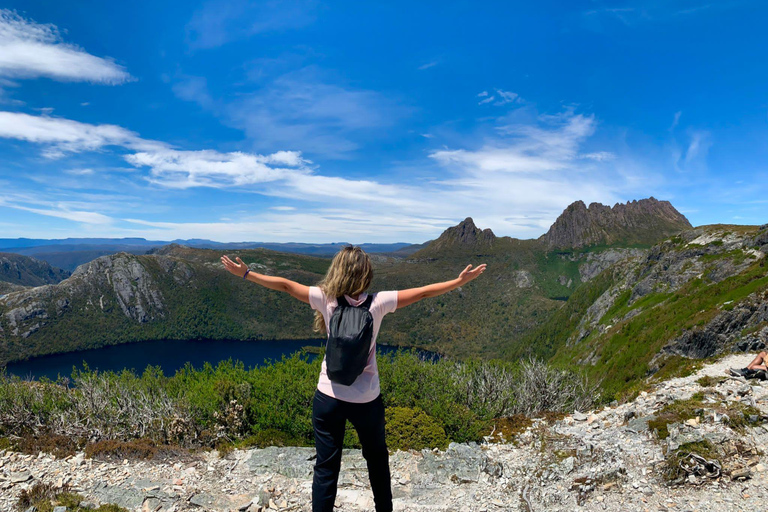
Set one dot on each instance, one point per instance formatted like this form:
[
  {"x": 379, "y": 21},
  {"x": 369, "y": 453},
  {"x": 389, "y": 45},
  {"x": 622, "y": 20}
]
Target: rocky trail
[{"x": 601, "y": 460}]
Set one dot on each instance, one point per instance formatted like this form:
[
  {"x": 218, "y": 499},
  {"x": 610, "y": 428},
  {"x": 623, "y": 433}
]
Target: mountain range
[
  {"x": 604, "y": 287},
  {"x": 70, "y": 253}
]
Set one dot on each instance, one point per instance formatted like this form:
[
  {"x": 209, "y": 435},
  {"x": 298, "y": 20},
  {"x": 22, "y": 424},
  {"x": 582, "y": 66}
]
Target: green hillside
[{"x": 694, "y": 296}]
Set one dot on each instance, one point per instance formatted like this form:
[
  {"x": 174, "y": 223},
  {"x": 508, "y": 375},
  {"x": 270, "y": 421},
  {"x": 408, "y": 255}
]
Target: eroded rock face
[
  {"x": 28, "y": 310},
  {"x": 724, "y": 332},
  {"x": 133, "y": 286},
  {"x": 646, "y": 221},
  {"x": 120, "y": 280},
  {"x": 595, "y": 263},
  {"x": 523, "y": 279},
  {"x": 708, "y": 253}
]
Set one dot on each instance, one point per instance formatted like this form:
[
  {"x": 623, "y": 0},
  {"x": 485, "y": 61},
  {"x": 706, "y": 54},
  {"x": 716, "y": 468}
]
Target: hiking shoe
[
  {"x": 737, "y": 372},
  {"x": 761, "y": 375}
]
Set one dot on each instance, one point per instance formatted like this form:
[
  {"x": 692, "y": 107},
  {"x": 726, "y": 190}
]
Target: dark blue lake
[{"x": 170, "y": 355}]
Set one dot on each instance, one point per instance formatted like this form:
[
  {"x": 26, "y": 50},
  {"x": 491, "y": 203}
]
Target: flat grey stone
[
  {"x": 640, "y": 424},
  {"x": 294, "y": 462},
  {"x": 126, "y": 498},
  {"x": 202, "y": 499},
  {"x": 20, "y": 476}
]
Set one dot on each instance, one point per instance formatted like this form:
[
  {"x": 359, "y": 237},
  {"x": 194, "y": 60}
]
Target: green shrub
[
  {"x": 412, "y": 429},
  {"x": 232, "y": 406}
]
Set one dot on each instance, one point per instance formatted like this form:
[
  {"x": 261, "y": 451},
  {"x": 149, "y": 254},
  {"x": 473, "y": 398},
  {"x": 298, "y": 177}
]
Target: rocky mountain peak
[
  {"x": 464, "y": 234},
  {"x": 644, "y": 221}
]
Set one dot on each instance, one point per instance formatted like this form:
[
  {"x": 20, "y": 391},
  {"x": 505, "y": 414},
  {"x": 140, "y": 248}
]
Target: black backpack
[{"x": 349, "y": 341}]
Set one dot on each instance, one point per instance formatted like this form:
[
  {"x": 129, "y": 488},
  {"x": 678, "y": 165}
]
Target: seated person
[{"x": 757, "y": 369}]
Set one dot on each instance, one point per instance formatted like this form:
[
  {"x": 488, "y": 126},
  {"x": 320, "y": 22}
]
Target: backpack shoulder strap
[
  {"x": 368, "y": 301},
  {"x": 341, "y": 301}
]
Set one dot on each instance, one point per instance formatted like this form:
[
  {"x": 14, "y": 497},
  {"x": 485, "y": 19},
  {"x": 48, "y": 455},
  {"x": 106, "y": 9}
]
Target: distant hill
[
  {"x": 642, "y": 222},
  {"x": 69, "y": 253},
  {"x": 25, "y": 271}
]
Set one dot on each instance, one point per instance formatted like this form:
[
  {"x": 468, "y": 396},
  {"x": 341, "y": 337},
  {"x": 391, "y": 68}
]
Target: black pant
[{"x": 329, "y": 417}]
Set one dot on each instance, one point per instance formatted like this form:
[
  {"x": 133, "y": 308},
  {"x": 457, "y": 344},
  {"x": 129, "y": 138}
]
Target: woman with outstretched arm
[{"x": 348, "y": 386}]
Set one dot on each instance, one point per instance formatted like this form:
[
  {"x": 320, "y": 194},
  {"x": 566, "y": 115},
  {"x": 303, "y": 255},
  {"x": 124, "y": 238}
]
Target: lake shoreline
[{"x": 172, "y": 355}]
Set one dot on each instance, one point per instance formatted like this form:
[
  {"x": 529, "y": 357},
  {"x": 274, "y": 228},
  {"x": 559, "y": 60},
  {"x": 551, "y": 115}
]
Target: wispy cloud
[
  {"x": 630, "y": 13},
  {"x": 301, "y": 110},
  {"x": 60, "y": 136},
  {"x": 68, "y": 210},
  {"x": 79, "y": 172},
  {"x": 504, "y": 98},
  {"x": 32, "y": 50},
  {"x": 690, "y": 154},
  {"x": 428, "y": 65},
  {"x": 219, "y": 22}
]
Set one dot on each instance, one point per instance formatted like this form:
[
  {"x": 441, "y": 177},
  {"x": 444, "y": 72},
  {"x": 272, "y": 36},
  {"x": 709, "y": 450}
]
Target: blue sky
[{"x": 370, "y": 122}]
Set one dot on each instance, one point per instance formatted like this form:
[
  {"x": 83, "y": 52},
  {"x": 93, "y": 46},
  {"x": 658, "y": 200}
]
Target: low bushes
[
  {"x": 413, "y": 429},
  {"x": 429, "y": 403}
]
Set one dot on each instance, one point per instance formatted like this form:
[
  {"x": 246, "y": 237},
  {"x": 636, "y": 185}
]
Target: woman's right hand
[{"x": 237, "y": 269}]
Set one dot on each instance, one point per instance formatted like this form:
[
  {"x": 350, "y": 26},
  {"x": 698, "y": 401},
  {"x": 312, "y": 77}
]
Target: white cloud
[
  {"x": 676, "y": 120},
  {"x": 32, "y": 50},
  {"x": 62, "y": 211},
  {"x": 600, "y": 156},
  {"x": 207, "y": 168},
  {"x": 506, "y": 97},
  {"x": 219, "y": 22},
  {"x": 79, "y": 172},
  {"x": 427, "y": 65},
  {"x": 499, "y": 99},
  {"x": 61, "y": 136},
  {"x": 698, "y": 146}
]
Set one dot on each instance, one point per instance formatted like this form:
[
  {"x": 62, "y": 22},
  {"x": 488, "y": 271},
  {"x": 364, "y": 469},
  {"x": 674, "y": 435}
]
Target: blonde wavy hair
[{"x": 350, "y": 273}]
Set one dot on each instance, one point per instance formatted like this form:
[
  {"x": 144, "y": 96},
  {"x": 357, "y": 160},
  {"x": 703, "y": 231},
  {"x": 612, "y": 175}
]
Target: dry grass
[{"x": 134, "y": 449}]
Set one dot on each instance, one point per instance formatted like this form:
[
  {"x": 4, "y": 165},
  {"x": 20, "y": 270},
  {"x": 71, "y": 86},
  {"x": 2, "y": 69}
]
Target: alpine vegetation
[{"x": 230, "y": 405}]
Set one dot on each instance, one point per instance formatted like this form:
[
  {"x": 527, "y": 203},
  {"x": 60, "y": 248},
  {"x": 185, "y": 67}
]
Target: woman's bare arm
[
  {"x": 292, "y": 288},
  {"x": 408, "y": 297}
]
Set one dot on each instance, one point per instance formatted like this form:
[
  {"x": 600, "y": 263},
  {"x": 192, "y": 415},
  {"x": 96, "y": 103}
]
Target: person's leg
[
  {"x": 759, "y": 363},
  {"x": 368, "y": 420},
  {"x": 328, "y": 421}
]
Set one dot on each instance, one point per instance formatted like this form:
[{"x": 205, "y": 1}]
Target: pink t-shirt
[{"x": 366, "y": 386}]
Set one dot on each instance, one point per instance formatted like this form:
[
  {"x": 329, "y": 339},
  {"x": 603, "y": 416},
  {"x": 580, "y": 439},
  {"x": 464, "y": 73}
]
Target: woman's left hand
[
  {"x": 237, "y": 269},
  {"x": 470, "y": 273}
]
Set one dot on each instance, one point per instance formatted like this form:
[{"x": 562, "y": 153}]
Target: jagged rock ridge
[{"x": 646, "y": 221}]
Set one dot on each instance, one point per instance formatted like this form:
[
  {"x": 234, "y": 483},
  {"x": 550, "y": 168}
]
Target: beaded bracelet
[{"x": 246, "y": 273}]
